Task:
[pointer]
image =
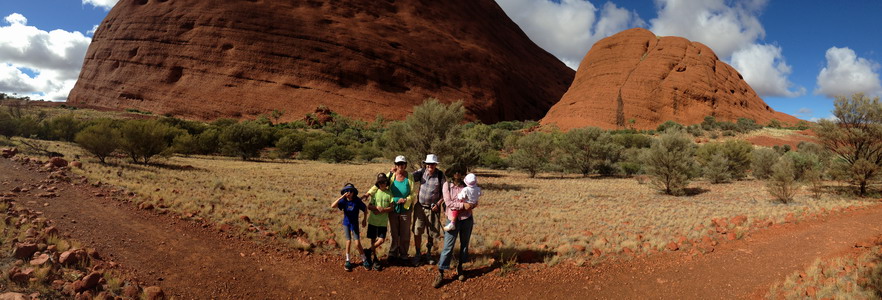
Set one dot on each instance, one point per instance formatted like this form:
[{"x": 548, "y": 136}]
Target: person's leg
[
  {"x": 446, "y": 253},
  {"x": 420, "y": 221},
  {"x": 394, "y": 223},
  {"x": 432, "y": 231},
  {"x": 465, "y": 235},
  {"x": 404, "y": 232}
]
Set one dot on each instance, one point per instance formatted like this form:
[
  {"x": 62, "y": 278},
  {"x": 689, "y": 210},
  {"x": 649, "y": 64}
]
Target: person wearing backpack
[
  {"x": 404, "y": 190},
  {"x": 426, "y": 212}
]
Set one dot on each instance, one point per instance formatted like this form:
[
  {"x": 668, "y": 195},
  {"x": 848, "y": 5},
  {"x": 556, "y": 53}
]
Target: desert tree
[
  {"x": 433, "y": 127},
  {"x": 670, "y": 162},
  {"x": 100, "y": 139},
  {"x": 855, "y": 138},
  {"x": 736, "y": 153},
  {"x": 144, "y": 139},
  {"x": 586, "y": 150},
  {"x": 244, "y": 139},
  {"x": 532, "y": 152},
  {"x": 716, "y": 169}
]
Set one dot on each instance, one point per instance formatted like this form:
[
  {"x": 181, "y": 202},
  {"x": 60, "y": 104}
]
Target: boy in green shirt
[{"x": 379, "y": 206}]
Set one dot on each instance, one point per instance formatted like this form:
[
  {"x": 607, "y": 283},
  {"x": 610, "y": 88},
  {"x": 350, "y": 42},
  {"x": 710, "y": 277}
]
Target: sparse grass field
[
  {"x": 558, "y": 217},
  {"x": 849, "y": 277}
]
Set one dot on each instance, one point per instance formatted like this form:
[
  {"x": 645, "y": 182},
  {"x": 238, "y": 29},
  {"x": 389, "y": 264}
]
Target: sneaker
[
  {"x": 460, "y": 274},
  {"x": 416, "y": 260},
  {"x": 438, "y": 280},
  {"x": 376, "y": 266},
  {"x": 428, "y": 258},
  {"x": 347, "y": 266},
  {"x": 450, "y": 226},
  {"x": 367, "y": 265}
]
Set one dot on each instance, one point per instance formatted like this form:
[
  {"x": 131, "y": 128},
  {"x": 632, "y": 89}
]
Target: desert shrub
[
  {"x": 291, "y": 143},
  {"x": 747, "y": 125},
  {"x": 630, "y": 168},
  {"x": 803, "y": 162},
  {"x": 713, "y": 135},
  {"x": 63, "y": 128},
  {"x": 716, "y": 169},
  {"x": 774, "y": 123},
  {"x": 822, "y": 156},
  {"x": 185, "y": 144},
  {"x": 315, "y": 146},
  {"x": 709, "y": 123},
  {"x": 669, "y": 161},
  {"x": 8, "y": 125},
  {"x": 337, "y": 154},
  {"x": 485, "y": 136},
  {"x": 208, "y": 142},
  {"x": 762, "y": 162},
  {"x": 727, "y": 126},
  {"x": 669, "y": 125},
  {"x": 192, "y": 127},
  {"x": 100, "y": 139},
  {"x": 632, "y": 140},
  {"x": 589, "y": 149},
  {"x": 855, "y": 138},
  {"x": 433, "y": 127},
  {"x": 695, "y": 130},
  {"x": 782, "y": 184},
  {"x": 491, "y": 159},
  {"x": 144, "y": 139},
  {"x": 514, "y": 125},
  {"x": 27, "y": 127},
  {"x": 368, "y": 152},
  {"x": 736, "y": 153},
  {"x": 244, "y": 139},
  {"x": 728, "y": 133},
  {"x": 532, "y": 153}
]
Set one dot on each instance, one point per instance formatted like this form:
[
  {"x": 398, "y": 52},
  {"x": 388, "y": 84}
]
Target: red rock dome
[
  {"x": 241, "y": 58},
  {"x": 636, "y": 75}
]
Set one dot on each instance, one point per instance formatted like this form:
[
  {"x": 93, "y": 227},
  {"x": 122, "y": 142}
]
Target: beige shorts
[{"x": 426, "y": 221}]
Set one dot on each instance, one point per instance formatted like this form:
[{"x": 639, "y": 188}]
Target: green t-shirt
[{"x": 380, "y": 198}]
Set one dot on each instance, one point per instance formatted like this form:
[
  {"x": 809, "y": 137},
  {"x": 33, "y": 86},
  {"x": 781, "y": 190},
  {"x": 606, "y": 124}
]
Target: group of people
[{"x": 401, "y": 203}]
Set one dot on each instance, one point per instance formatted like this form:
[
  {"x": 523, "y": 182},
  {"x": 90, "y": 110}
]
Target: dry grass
[
  {"x": 564, "y": 215},
  {"x": 850, "y": 277}
]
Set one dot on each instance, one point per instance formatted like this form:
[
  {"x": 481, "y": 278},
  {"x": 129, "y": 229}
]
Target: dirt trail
[{"x": 189, "y": 261}]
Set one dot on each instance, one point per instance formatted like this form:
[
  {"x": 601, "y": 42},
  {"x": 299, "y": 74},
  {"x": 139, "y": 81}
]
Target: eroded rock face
[
  {"x": 241, "y": 58},
  {"x": 637, "y": 76}
]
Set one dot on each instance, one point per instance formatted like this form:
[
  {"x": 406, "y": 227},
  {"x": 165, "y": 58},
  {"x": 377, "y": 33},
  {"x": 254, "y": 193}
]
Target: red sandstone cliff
[
  {"x": 240, "y": 58},
  {"x": 635, "y": 75}
]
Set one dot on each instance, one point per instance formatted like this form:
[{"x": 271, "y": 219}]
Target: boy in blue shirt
[{"x": 350, "y": 204}]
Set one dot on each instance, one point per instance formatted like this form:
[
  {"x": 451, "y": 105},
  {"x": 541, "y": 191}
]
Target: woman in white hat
[{"x": 404, "y": 190}]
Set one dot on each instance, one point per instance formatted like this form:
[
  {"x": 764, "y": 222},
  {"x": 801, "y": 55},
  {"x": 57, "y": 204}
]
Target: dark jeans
[{"x": 464, "y": 231}]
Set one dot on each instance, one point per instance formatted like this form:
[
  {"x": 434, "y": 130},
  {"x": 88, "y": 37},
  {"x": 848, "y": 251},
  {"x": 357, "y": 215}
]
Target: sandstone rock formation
[
  {"x": 241, "y": 58},
  {"x": 635, "y": 75}
]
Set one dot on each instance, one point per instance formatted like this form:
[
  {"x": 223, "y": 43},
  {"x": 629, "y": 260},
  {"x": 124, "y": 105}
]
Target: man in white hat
[{"x": 426, "y": 214}]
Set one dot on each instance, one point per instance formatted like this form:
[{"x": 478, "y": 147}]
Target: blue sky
[{"x": 795, "y": 54}]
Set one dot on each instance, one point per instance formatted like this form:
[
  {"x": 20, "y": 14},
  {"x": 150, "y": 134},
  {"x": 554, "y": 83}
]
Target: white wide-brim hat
[
  {"x": 400, "y": 159},
  {"x": 431, "y": 159}
]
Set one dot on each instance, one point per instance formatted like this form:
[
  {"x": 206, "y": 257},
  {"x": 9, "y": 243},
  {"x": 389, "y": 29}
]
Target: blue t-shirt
[{"x": 350, "y": 210}]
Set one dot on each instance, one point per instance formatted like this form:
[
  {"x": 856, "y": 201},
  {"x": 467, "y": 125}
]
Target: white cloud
[
  {"x": 830, "y": 118},
  {"x": 106, "y": 4},
  {"x": 846, "y": 74},
  {"x": 724, "y": 28},
  {"x": 93, "y": 30},
  {"x": 54, "y": 56},
  {"x": 764, "y": 68},
  {"x": 569, "y": 28}
]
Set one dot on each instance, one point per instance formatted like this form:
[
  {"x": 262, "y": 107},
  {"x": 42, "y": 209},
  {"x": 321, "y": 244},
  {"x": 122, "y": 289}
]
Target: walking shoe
[
  {"x": 347, "y": 266},
  {"x": 416, "y": 260},
  {"x": 367, "y": 265},
  {"x": 460, "y": 274},
  {"x": 377, "y": 266},
  {"x": 429, "y": 259},
  {"x": 438, "y": 280}
]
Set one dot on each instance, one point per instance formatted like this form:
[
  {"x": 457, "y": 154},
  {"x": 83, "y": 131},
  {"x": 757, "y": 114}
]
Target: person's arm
[
  {"x": 364, "y": 220},
  {"x": 414, "y": 193},
  {"x": 336, "y": 203},
  {"x": 453, "y": 203}
]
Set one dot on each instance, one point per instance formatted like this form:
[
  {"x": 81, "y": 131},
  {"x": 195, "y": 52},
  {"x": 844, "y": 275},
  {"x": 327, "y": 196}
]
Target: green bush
[
  {"x": 491, "y": 159},
  {"x": 762, "y": 162},
  {"x": 716, "y": 169},
  {"x": 245, "y": 139},
  {"x": 100, "y": 139},
  {"x": 337, "y": 154},
  {"x": 291, "y": 143},
  {"x": 782, "y": 184},
  {"x": 747, "y": 125},
  {"x": 669, "y": 125},
  {"x": 632, "y": 140},
  {"x": 669, "y": 161},
  {"x": 8, "y": 125},
  {"x": 695, "y": 130},
  {"x": 144, "y": 139},
  {"x": 62, "y": 128},
  {"x": 185, "y": 144},
  {"x": 737, "y": 154},
  {"x": 208, "y": 142},
  {"x": 588, "y": 149},
  {"x": 532, "y": 153},
  {"x": 630, "y": 168},
  {"x": 709, "y": 123},
  {"x": 368, "y": 152},
  {"x": 314, "y": 147}
]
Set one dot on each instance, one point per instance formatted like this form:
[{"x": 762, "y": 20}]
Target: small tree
[
  {"x": 762, "y": 162},
  {"x": 433, "y": 127},
  {"x": 855, "y": 138},
  {"x": 782, "y": 184},
  {"x": 669, "y": 161},
  {"x": 144, "y": 139},
  {"x": 100, "y": 139},
  {"x": 588, "y": 149},
  {"x": 532, "y": 153},
  {"x": 63, "y": 128},
  {"x": 244, "y": 139},
  {"x": 291, "y": 143}
]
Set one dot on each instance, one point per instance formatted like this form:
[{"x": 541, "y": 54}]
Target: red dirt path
[{"x": 190, "y": 262}]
